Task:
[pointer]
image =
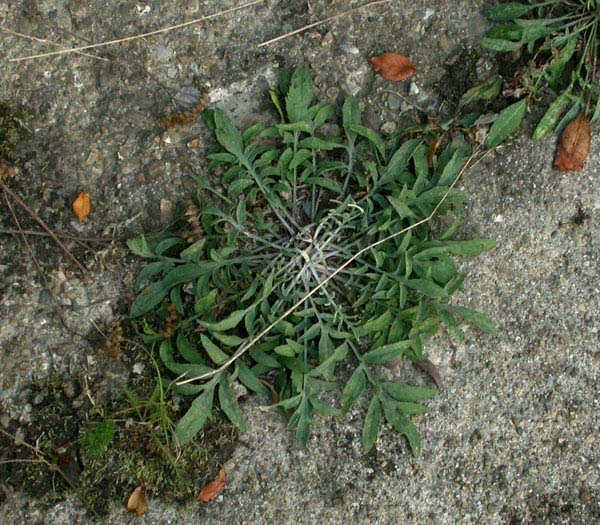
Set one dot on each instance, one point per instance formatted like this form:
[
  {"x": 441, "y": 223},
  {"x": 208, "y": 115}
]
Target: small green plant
[
  {"x": 98, "y": 437},
  {"x": 560, "y": 40},
  {"x": 317, "y": 254}
]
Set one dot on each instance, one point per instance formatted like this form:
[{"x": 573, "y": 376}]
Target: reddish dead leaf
[
  {"x": 82, "y": 205},
  {"x": 393, "y": 66},
  {"x": 574, "y": 145},
  {"x": 427, "y": 366},
  {"x": 137, "y": 502},
  {"x": 213, "y": 488}
]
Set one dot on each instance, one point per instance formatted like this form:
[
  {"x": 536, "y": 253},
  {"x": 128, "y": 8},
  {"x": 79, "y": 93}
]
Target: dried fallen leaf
[
  {"x": 137, "y": 502},
  {"x": 427, "y": 366},
  {"x": 213, "y": 488},
  {"x": 574, "y": 145},
  {"x": 82, "y": 205},
  {"x": 393, "y": 66}
]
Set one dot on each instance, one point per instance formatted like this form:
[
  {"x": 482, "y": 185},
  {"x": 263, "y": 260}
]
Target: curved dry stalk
[
  {"x": 36, "y": 218},
  {"x": 470, "y": 162},
  {"x": 44, "y": 41},
  {"x": 39, "y": 453},
  {"x": 324, "y": 21},
  {"x": 137, "y": 37}
]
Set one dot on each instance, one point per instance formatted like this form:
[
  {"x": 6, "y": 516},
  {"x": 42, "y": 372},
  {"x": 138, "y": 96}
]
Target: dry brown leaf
[
  {"x": 82, "y": 205},
  {"x": 137, "y": 502},
  {"x": 427, "y": 366},
  {"x": 213, "y": 488},
  {"x": 574, "y": 145},
  {"x": 393, "y": 66}
]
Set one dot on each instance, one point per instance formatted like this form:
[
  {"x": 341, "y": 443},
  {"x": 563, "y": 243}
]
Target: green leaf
[
  {"x": 407, "y": 393},
  {"x": 213, "y": 351},
  {"x": 304, "y": 420},
  {"x": 222, "y": 157},
  {"x": 571, "y": 115},
  {"x": 482, "y": 92},
  {"x": 237, "y": 187},
  {"x": 150, "y": 270},
  {"x": 139, "y": 246},
  {"x": 324, "y": 408},
  {"x": 326, "y": 349},
  {"x": 324, "y": 183},
  {"x": 318, "y": 144},
  {"x": 251, "y": 132},
  {"x": 248, "y": 379},
  {"x": 377, "y": 324},
  {"x": 534, "y": 29},
  {"x": 227, "y": 339},
  {"x": 385, "y": 354},
  {"x": 299, "y": 96},
  {"x": 552, "y": 116},
  {"x": 471, "y": 248},
  {"x": 399, "y": 161},
  {"x": 371, "y": 425},
  {"x": 325, "y": 369},
  {"x": 426, "y": 287},
  {"x": 227, "y": 134},
  {"x": 187, "y": 350},
  {"x": 507, "y": 11},
  {"x": 353, "y": 389},
  {"x": 507, "y": 122},
  {"x": 478, "y": 319},
  {"x": 98, "y": 437},
  {"x": 148, "y": 299},
  {"x": 506, "y": 32},
  {"x": 300, "y": 156},
  {"x": 288, "y": 404},
  {"x": 496, "y": 44},
  {"x": 371, "y": 136},
  {"x": 435, "y": 195},
  {"x": 557, "y": 66},
  {"x": 229, "y": 404},
  {"x": 452, "y": 169},
  {"x": 193, "y": 252},
  {"x": 402, "y": 424},
  {"x": 228, "y": 323},
  {"x": 182, "y": 369},
  {"x": 195, "y": 418},
  {"x": 400, "y": 206},
  {"x": 351, "y": 113},
  {"x": 412, "y": 409},
  {"x": 323, "y": 113},
  {"x": 303, "y": 126}
]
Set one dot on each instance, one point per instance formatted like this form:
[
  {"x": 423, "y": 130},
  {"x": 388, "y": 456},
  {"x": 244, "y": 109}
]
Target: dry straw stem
[
  {"x": 324, "y": 21},
  {"x": 44, "y": 41},
  {"x": 136, "y": 37},
  {"x": 470, "y": 162},
  {"x": 38, "y": 452},
  {"x": 37, "y": 219}
]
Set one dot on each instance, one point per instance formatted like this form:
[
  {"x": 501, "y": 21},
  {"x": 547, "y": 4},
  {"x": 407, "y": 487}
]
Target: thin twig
[
  {"x": 324, "y": 21},
  {"x": 40, "y": 454},
  {"x": 105, "y": 240},
  {"x": 42, "y": 461},
  {"x": 44, "y": 41},
  {"x": 349, "y": 261},
  {"x": 136, "y": 37},
  {"x": 35, "y": 261},
  {"x": 37, "y": 219}
]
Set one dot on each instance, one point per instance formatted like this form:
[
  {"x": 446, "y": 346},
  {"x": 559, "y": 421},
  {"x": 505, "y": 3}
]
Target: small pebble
[
  {"x": 394, "y": 102},
  {"x": 388, "y": 128},
  {"x": 327, "y": 40},
  {"x": 163, "y": 53}
]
